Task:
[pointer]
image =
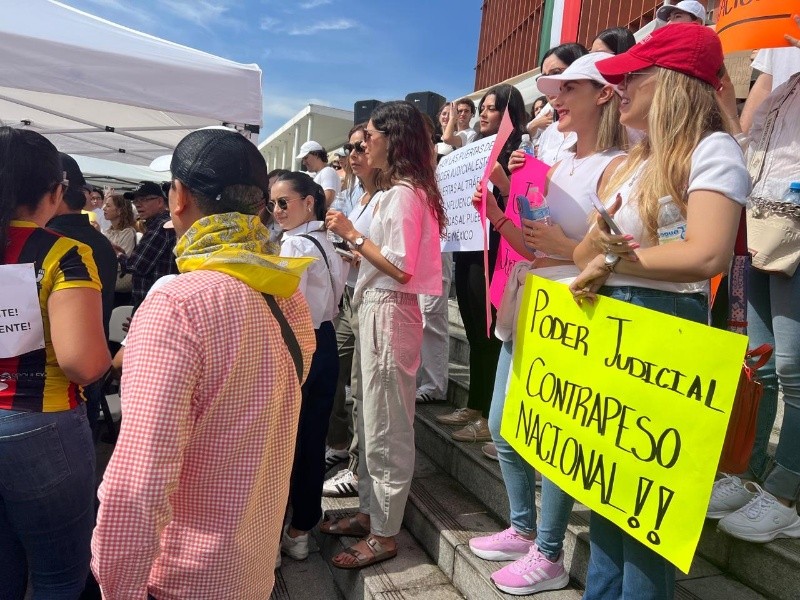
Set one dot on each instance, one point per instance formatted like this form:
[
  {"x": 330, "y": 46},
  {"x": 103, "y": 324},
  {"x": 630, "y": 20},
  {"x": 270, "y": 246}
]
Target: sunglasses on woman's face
[
  {"x": 282, "y": 203},
  {"x": 358, "y": 147}
]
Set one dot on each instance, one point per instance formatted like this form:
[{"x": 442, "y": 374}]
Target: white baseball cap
[
  {"x": 692, "y": 7},
  {"x": 309, "y": 147},
  {"x": 585, "y": 68}
]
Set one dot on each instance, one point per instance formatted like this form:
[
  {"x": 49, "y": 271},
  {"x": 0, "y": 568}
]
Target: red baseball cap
[{"x": 688, "y": 48}]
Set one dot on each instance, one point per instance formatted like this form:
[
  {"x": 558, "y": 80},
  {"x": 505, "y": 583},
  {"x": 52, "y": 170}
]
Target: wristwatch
[
  {"x": 359, "y": 242},
  {"x": 610, "y": 261}
]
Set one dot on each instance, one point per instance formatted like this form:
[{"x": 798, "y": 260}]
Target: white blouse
[{"x": 321, "y": 284}]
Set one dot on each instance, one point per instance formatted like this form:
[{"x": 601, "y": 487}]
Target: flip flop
[
  {"x": 379, "y": 554},
  {"x": 346, "y": 525}
]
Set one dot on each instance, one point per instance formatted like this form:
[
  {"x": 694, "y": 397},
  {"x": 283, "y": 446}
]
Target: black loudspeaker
[
  {"x": 362, "y": 110},
  {"x": 429, "y": 103}
]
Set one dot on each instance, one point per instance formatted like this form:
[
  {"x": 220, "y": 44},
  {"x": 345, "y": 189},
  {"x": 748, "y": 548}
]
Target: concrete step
[
  {"x": 463, "y": 495},
  {"x": 443, "y": 516},
  {"x": 300, "y": 580},
  {"x": 409, "y": 576},
  {"x": 453, "y": 316}
]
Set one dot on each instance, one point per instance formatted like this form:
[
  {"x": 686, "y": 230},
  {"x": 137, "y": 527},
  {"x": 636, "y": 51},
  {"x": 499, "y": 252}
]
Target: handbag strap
[
  {"x": 756, "y": 164},
  {"x": 288, "y": 335},
  {"x": 324, "y": 257},
  {"x": 763, "y": 352}
]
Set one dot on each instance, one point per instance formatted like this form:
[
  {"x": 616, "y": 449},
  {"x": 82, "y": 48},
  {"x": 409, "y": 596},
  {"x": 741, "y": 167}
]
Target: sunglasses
[
  {"x": 633, "y": 75},
  {"x": 370, "y": 133},
  {"x": 358, "y": 147},
  {"x": 282, "y": 203}
]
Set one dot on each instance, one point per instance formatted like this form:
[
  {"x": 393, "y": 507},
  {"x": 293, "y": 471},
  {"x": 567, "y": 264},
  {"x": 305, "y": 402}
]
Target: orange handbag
[{"x": 741, "y": 434}]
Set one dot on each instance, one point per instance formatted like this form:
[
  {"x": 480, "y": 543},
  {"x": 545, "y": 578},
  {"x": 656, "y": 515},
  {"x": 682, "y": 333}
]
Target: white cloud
[
  {"x": 309, "y": 4},
  {"x": 337, "y": 25},
  {"x": 203, "y": 13},
  {"x": 269, "y": 24},
  {"x": 124, "y": 8}
]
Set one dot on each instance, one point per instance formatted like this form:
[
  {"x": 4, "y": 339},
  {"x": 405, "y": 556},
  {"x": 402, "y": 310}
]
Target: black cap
[
  {"x": 146, "y": 188},
  {"x": 209, "y": 160},
  {"x": 74, "y": 174}
]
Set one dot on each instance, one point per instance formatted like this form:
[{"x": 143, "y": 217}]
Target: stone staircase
[{"x": 458, "y": 493}]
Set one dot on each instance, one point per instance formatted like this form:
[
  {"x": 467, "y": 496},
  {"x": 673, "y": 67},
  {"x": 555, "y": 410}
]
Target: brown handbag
[{"x": 741, "y": 434}]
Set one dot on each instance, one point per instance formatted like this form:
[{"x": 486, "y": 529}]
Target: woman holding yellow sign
[
  {"x": 680, "y": 195},
  {"x": 588, "y": 107}
]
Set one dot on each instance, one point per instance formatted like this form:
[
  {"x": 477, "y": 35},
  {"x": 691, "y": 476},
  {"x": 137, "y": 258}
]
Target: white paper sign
[
  {"x": 457, "y": 175},
  {"x": 21, "y": 328}
]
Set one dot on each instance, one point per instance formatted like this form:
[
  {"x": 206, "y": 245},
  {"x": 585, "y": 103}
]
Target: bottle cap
[{"x": 795, "y": 186}]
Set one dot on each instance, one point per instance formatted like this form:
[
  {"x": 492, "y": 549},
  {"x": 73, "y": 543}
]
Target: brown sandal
[
  {"x": 346, "y": 525},
  {"x": 379, "y": 554}
]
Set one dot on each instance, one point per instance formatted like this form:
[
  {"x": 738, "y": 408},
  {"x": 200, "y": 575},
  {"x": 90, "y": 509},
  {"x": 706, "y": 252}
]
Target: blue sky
[{"x": 329, "y": 52}]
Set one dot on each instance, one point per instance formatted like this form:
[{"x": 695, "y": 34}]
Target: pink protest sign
[
  {"x": 533, "y": 174},
  {"x": 506, "y": 128}
]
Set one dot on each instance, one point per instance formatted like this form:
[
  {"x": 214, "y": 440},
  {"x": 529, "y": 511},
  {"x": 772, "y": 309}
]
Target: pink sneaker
[
  {"x": 531, "y": 574},
  {"x": 505, "y": 545}
]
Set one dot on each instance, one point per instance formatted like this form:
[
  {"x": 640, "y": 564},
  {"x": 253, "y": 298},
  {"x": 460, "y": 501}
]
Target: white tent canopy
[{"x": 98, "y": 89}]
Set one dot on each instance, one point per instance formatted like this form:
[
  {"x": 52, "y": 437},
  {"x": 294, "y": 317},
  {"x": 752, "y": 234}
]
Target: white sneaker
[
  {"x": 296, "y": 547},
  {"x": 763, "y": 519},
  {"x": 727, "y": 496},
  {"x": 341, "y": 485},
  {"x": 334, "y": 457}
]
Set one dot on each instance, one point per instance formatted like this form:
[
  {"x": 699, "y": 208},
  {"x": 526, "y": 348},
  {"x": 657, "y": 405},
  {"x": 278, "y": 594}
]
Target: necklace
[{"x": 576, "y": 164}]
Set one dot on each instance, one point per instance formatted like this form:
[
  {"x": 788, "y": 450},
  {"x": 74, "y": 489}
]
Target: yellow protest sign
[
  {"x": 625, "y": 409},
  {"x": 754, "y": 24}
]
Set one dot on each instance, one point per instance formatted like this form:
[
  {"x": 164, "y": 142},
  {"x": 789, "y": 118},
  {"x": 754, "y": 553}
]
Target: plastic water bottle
[
  {"x": 339, "y": 204},
  {"x": 792, "y": 195},
  {"x": 539, "y": 207},
  {"x": 671, "y": 223},
  {"x": 525, "y": 145}
]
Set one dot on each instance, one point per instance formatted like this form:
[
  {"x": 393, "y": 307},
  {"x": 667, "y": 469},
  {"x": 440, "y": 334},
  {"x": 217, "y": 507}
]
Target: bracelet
[{"x": 500, "y": 222}]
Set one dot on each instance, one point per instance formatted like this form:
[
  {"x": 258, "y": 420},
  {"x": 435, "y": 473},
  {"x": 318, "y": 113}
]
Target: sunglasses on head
[{"x": 358, "y": 147}]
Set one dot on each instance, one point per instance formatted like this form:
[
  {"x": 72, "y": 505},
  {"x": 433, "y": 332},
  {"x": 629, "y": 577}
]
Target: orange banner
[{"x": 754, "y": 24}]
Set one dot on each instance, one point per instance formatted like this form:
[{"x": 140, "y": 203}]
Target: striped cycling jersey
[{"x": 33, "y": 381}]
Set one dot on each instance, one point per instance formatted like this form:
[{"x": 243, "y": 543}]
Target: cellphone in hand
[
  {"x": 345, "y": 253},
  {"x": 600, "y": 208}
]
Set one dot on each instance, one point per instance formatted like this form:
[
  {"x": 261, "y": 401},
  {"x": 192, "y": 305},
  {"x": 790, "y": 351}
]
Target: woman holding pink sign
[{"x": 588, "y": 106}]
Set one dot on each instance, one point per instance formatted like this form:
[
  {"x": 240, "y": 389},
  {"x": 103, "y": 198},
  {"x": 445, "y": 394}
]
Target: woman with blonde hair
[
  {"x": 122, "y": 233},
  {"x": 588, "y": 106},
  {"x": 687, "y": 176}
]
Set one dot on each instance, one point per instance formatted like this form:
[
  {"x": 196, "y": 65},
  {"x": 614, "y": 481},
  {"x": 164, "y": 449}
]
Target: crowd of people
[{"x": 286, "y": 322}]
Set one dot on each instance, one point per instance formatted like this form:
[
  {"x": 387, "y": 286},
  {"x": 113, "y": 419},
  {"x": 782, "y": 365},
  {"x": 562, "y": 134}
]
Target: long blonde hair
[
  {"x": 611, "y": 134},
  {"x": 683, "y": 112}
]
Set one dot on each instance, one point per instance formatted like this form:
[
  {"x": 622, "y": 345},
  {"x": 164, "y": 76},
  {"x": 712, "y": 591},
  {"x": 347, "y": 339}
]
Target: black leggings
[{"x": 483, "y": 351}]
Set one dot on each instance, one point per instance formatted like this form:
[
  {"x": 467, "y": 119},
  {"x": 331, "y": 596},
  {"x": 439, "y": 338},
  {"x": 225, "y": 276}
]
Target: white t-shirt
[
  {"x": 781, "y": 163},
  {"x": 467, "y": 136},
  {"x": 361, "y": 217},
  {"x": 554, "y": 145},
  {"x": 717, "y": 166},
  {"x": 407, "y": 233},
  {"x": 781, "y": 63},
  {"x": 321, "y": 284},
  {"x": 328, "y": 179}
]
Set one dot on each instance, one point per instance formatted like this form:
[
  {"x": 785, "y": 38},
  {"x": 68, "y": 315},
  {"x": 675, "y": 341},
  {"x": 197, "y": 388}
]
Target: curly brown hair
[{"x": 409, "y": 153}]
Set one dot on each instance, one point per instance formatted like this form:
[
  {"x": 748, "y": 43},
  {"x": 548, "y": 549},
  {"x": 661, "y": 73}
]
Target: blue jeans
[
  {"x": 47, "y": 464},
  {"x": 774, "y": 318},
  {"x": 619, "y": 565},
  {"x": 519, "y": 477}
]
